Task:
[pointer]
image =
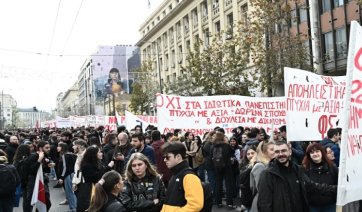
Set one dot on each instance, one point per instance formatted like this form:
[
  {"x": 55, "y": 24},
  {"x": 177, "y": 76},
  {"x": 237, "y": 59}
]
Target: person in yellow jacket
[{"x": 185, "y": 192}]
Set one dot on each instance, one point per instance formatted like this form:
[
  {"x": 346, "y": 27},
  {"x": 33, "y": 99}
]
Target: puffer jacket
[
  {"x": 322, "y": 174},
  {"x": 140, "y": 195}
]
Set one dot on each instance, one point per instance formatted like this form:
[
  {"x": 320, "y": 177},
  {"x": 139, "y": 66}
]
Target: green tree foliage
[
  {"x": 252, "y": 53},
  {"x": 145, "y": 88},
  {"x": 182, "y": 86}
]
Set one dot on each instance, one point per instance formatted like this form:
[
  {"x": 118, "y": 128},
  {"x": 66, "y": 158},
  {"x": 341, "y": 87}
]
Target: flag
[
  {"x": 118, "y": 119},
  {"x": 132, "y": 120},
  {"x": 149, "y": 4},
  {"x": 38, "y": 197}
]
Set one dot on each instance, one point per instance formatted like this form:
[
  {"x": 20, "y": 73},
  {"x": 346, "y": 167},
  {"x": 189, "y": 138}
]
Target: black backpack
[
  {"x": 246, "y": 194},
  {"x": 7, "y": 181},
  {"x": 218, "y": 158},
  {"x": 205, "y": 186},
  {"x": 21, "y": 168}
]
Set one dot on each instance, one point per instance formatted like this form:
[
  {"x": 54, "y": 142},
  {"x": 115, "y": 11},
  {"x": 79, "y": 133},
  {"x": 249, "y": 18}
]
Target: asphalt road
[{"x": 57, "y": 195}]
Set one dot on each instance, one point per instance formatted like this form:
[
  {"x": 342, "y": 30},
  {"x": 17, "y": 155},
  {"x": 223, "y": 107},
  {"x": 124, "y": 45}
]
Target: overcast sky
[{"x": 30, "y": 30}]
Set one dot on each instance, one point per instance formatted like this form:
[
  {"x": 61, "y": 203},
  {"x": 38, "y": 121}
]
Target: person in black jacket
[
  {"x": 143, "y": 189},
  {"x": 108, "y": 149},
  {"x": 224, "y": 173},
  {"x": 7, "y": 200},
  {"x": 92, "y": 170},
  {"x": 66, "y": 170},
  {"x": 106, "y": 194},
  {"x": 22, "y": 152},
  {"x": 283, "y": 186},
  {"x": 34, "y": 162},
  {"x": 320, "y": 169},
  {"x": 67, "y": 137},
  {"x": 11, "y": 148},
  {"x": 208, "y": 165}
]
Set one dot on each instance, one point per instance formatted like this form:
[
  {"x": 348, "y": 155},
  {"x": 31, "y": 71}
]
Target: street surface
[{"x": 57, "y": 195}]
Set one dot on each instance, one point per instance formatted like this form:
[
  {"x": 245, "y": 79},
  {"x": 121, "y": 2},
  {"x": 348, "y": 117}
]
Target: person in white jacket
[{"x": 79, "y": 147}]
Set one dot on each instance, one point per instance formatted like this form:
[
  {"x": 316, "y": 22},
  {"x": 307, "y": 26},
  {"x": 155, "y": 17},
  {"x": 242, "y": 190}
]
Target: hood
[
  {"x": 251, "y": 141},
  {"x": 326, "y": 141},
  {"x": 3, "y": 159}
]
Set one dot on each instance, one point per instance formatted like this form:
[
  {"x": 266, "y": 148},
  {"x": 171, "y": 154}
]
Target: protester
[
  {"x": 235, "y": 166},
  {"x": 330, "y": 153},
  {"x": 185, "y": 192},
  {"x": 79, "y": 148},
  {"x": 121, "y": 152},
  {"x": 332, "y": 142},
  {"x": 191, "y": 149},
  {"x": 283, "y": 185},
  {"x": 264, "y": 153},
  {"x": 66, "y": 170},
  {"x": 11, "y": 148},
  {"x": 106, "y": 194},
  {"x": 221, "y": 154},
  {"x": 139, "y": 145},
  {"x": 143, "y": 188},
  {"x": 34, "y": 162},
  {"x": 296, "y": 146},
  {"x": 320, "y": 169},
  {"x": 23, "y": 152},
  {"x": 208, "y": 164},
  {"x": 10, "y": 180},
  {"x": 92, "y": 171},
  {"x": 160, "y": 163}
]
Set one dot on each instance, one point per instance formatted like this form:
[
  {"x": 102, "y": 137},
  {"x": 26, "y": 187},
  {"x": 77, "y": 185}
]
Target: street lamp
[{"x": 158, "y": 61}]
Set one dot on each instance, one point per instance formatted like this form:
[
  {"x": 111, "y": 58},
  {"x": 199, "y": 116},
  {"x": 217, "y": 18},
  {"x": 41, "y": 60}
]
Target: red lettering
[
  {"x": 358, "y": 83},
  {"x": 161, "y": 98},
  {"x": 356, "y": 60},
  {"x": 323, "y": 125}
]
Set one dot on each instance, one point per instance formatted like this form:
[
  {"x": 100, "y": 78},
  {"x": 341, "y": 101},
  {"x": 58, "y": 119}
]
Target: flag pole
[{"x": 34, "y": 207}]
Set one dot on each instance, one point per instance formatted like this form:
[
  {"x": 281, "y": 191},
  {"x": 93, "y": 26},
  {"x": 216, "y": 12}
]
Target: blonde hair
[
  {"x": 149, "y": 170},
  {"x": 261, "y": 154},
  {"x": 174, "y": 138}
]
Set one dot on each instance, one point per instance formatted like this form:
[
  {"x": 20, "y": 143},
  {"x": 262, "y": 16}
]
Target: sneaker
[
  {"x": 65, "y": 202},
  {"x": 231, "y": 207},
  {"x": 53, "y": 179},
  {"x": 57, "y": 186}
]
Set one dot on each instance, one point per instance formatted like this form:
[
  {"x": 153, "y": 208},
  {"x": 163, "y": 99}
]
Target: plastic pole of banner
[
  {"x": 339, "y": 209},
  {"x": 347, "y": 102}
]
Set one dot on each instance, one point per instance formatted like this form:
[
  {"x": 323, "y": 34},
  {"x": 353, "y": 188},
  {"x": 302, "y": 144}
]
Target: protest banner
[
  {"x": 314, "y": 104},
  {"x": 201, "y": 114},
  {"x": 62, "y": 122},
  {"x": 350, "y": 169},
  {"x": 132, "y": 120},
  {"x": 110, "y": 123}
]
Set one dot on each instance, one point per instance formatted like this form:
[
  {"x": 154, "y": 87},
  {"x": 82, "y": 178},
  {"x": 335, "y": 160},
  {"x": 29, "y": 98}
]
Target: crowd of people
[{"x": 144, "y": 170}]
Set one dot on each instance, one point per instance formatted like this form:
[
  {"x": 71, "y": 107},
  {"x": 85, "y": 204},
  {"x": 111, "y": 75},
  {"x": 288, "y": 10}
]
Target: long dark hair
[
  {"x": 90, "y": 156},
  {"x": 245, "y": 161},
  {"x": 219, "y": 138},
  {"x": 22, "y": 151},
  {"x": 315, "y": 147},
  {"x": 101, "y": 190},
  {"x": 63, "y": 150}
]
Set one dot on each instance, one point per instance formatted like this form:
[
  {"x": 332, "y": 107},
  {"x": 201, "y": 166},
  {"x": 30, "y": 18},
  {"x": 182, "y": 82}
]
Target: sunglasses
[{"x": 166, "y": 157}]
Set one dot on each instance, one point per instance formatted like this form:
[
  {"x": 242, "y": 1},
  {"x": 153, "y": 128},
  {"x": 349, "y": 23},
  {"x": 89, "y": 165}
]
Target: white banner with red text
[
  {"x": 201, "y": 114},
  {"x": 314, "y": 104}
]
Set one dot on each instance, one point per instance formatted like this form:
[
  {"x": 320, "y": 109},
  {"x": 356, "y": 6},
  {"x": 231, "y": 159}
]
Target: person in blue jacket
[
  {"x": 332, "y": 142},
  {"x": 139, "y": 145}
]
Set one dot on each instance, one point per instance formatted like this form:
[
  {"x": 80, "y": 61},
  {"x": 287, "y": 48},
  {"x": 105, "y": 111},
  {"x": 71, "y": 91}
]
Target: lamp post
[{"x": 158, "y": 61}]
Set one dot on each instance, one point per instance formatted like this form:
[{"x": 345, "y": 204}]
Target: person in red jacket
[{"x": 160, "y": 163}]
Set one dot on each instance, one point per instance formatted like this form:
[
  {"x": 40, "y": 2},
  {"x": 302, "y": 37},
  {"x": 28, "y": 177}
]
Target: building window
[
  {"x": 244, "y": 13},
  {"x": 174, "y": 76},
  {"x": 207, "y": 39},
  {"x": 205, "y": 8},
  {"x": 195, "y": 17},
  {"x": 168, "y": 78},
  {"x": 341, "y": 42},
  {"x": 328, "y": 46},
  {"x": 166, "y": 60},
  {"x": 180, "y": 52},
  {"x": 161, "y": 65},
  {"x": 170, "y": 7},
  {"x": 337, "y": 3},
  {"x": 326, "y": 6},
  {"x": 302, "y": 14},
  {"x": 173, "y": 56},
  {"x": 230, "y": 23},
  {"x": 8, "y": 110},
  {"x": 217, "y": 29},
  {"x": 293, "y": 21}
]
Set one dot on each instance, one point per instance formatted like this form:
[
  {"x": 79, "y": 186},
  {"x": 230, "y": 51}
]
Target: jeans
[
  {"x": 211, "y": 179},
  {"x": 72, "y": 199},
  {"x": 328, "y": 208},
  {"x": 4, "y": 207},
  {"x": 52, "y": 173},
  {"x": 202, "y": 173}
]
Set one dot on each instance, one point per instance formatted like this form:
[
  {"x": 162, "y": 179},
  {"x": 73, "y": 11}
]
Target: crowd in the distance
[{"x": 136, "y": 170}]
